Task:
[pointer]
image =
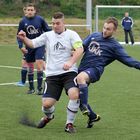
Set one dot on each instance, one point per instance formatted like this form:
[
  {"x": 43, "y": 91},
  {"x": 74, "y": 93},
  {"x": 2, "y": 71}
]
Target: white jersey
[{"x": 58, "y": 50}]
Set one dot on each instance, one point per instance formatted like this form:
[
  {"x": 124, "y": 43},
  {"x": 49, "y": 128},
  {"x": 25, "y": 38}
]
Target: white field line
[
  {"x": 12, "y": 83},
  {"x": 12, "y": 67}
]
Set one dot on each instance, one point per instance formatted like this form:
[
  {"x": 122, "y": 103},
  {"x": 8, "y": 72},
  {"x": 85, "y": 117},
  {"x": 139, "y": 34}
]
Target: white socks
[
  {"x": 49, "y": 112},
  {"x": 72, "y": 109}
]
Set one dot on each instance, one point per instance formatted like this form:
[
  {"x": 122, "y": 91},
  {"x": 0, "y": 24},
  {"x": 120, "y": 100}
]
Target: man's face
[
  {"x": 108, "y": 30},
  {"x": 58, "y": 25},
  {"x": 30, "y": 12},
  {"x": 126, "y": 14}
]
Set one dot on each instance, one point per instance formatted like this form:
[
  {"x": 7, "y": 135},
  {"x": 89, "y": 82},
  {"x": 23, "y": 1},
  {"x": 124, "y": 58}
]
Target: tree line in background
[{"x": 75, "y": 8}]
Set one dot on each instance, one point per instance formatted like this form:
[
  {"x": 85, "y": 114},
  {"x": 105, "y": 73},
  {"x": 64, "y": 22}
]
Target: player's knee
[
  {"x": 47, "y": 103},
  {"x": 73, "y": 93},
  {"x": 82, "y": 78},
  {"x": 39, "y": 65}
]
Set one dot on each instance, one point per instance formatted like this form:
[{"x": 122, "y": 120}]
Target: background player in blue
[
  {"x": 34, "y": 25},
  {"x": 24, "y": 64},
  {"x": 127, "y": 24},
  {"x": 100, "y": 49}
]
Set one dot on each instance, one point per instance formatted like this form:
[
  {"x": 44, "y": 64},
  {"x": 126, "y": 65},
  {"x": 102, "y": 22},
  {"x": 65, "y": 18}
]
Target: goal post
[
  {"x": 89, "y": 15},
  {"x": 118, "y": 12}
]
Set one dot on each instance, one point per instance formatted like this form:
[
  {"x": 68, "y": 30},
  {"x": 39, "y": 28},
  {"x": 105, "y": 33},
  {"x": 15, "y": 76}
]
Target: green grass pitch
[{"x": 116, "y": 98}]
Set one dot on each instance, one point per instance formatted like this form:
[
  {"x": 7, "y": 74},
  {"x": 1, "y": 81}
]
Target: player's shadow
[{"x": 25, "y": 120}]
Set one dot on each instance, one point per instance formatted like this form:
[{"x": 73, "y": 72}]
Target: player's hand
[
  {"x": 24, "y": 50},
  {"x": 21, "y": 35},
  {"x": 67, "y": 65}
]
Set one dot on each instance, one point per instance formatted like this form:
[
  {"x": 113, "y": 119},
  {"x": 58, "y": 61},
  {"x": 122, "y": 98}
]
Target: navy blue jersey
[
  {"x": 33, "y": 27},
  {"x": 127, "y": 23},
  {"x": 99, "y": 52}
]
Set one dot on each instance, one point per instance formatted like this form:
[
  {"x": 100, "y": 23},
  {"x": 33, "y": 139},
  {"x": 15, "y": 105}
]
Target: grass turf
[{"x": 115, "y": 97}]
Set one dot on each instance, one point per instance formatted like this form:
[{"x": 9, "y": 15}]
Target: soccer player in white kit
[{"x": 61, "y": 68}]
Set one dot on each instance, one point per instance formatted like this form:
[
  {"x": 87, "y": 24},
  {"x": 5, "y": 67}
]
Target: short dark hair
[
  {"x": 112, "y": 20},
  {"x": 58, "y": 15},
  {"x": 30, "y": 5}
]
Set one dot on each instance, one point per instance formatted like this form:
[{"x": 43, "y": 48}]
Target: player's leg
[
  {"x": 48, "y": 109},
  {"x": 92, "y": 117},
  {"x": 24, "y": 70},
  {"x": 39, "y": 57},
  {"x": 51, "y": 94},
  {"x": 90, "y": 75},
  {"x": 31, "y": 78},
  {"x": 82, "y": 80},
  {"x": 74, "y": 102},
  {"x": 131, "y": 37},
  {"x": 126, "y": 36},
  {"x": 30, "y": 59},
  {"x": 39, "y": 65},
  {"x": 72, "y": 109}
]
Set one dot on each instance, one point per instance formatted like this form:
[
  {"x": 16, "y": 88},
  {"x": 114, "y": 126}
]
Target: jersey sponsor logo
[
  {"x": 58, "y": 46},
  {"x": 32, "y": 30},
  {"x": 94, "y": 47},
  {"x": 88, "y": 71},
  {"x": 128, "y": 20}
]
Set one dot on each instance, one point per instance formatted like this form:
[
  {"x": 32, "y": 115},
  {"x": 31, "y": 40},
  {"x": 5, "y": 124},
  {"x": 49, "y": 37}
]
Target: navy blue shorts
[
  {"x": 54, "y": 84},
  {"x": 35, "y": 54},
  {"x": 94, "y": 73}
]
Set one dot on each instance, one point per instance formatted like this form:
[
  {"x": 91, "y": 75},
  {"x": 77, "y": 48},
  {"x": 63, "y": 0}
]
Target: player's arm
[
  {"x": 122, "y": 23},
  {"x": 123, "y": 57},
  {"x": 78, "y": 51},
  {"x": 20, "y": 27},
  {"x": 22, "y": 36}
]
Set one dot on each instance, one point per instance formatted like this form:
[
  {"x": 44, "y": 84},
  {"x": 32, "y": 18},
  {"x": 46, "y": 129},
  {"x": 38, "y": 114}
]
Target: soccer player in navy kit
[
  {"x": 34, "y": 25},
  {"x": 100, "y": 49},
  {"x": 25, "y": 65}
]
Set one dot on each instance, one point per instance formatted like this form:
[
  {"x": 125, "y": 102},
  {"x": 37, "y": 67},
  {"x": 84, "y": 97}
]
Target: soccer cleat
[
  {"x": 30, "y": 91},
  {"x": 20, "y": 84},
  {"x": 44, "y": 121},
  {"x": 90, "y": 122},
  {"x": 84, "y": 109},
  {"x": 70, "y": 128}
]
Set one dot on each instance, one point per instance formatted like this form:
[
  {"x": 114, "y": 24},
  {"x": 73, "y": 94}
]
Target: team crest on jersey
[
  {"x": 58, "y": 46},
  {"x": 32, "y": 30},
  {"x": 94, "y": 47}
]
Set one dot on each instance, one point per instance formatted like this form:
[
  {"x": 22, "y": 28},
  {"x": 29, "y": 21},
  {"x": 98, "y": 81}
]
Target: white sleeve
[
  {"x": 75, "y": 38},
  {"x": 39, "y": 41}
]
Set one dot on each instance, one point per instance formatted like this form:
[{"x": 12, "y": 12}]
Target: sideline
[
  {"x": 13, "y": 83},
  {"x": 11, "y": 67}
]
